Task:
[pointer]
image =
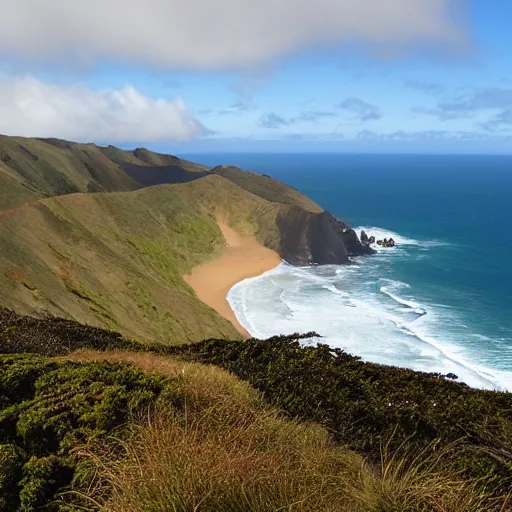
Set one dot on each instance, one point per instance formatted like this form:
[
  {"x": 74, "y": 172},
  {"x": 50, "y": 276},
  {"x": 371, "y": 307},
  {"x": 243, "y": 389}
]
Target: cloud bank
[
  {"x": 32, "y": 108},
  {"x": 203, "y": 34}
]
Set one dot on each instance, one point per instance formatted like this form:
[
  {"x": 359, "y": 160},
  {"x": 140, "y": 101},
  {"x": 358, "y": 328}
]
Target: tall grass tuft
[
  {"x": 262, "y": 463},
  {"x": 409, "y": 479}
]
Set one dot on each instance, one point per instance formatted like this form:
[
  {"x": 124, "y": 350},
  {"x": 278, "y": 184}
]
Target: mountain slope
[
  {"x": 150, "y": 168},
  {"x": 14, "y": 191},
  {"x": 113, "y": 260},
  {"x": 117, "y": 259},
  {"x": 55, "y": 167},
  {"x": 31, "y": 169}
]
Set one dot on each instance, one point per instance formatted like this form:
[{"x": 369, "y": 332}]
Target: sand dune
[{"x": 242, "y": 257}]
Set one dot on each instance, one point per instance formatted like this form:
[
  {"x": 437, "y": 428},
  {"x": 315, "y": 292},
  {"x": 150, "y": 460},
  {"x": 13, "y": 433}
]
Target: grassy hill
[
  {"x": 49, "y": 167},
  {"x": 117, "y": 260},
  {"x": 31, "y": 169},
  {"x": 144, "y": 158},
  {"x": 267, "y": 187}
]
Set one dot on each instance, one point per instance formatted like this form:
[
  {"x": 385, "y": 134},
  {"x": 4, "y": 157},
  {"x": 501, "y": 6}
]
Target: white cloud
[
  {"x": 214, "y": 34},
  {"x": 32, "y": 108}
]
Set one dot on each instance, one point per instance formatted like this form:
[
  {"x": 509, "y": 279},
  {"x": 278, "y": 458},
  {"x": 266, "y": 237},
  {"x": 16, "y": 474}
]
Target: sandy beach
[{"x": 242, "y": 257}]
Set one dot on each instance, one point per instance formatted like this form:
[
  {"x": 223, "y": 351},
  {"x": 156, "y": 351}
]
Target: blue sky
[{"x": 228, "y": 76}]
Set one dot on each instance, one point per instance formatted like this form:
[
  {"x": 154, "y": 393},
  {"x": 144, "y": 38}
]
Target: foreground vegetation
[
  {"x": 90, "y": 420},
  {"x": 362, "y": 403}
]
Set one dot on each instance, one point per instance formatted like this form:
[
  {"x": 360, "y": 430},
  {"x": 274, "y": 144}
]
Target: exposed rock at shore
[
  {"x": 387, "y": 242},
  {"x": 369, "y": 240},
  {"x": 308, "y": 238},
  {"x": 365, "y": 239}
]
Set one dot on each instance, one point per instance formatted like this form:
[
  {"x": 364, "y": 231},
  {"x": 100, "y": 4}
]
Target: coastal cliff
[
  {"x": 106, "y": 236},
  {"x": 317, "y": 239},
  {"x": 32, "y": 169}
]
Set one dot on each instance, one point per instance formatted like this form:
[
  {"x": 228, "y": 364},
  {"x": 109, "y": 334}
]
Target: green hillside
[
  {"x": 53, "y": 167},
  {"x": 31, "y": 169},
  {"x": 117, "y": 260},
  {"x": 116, "y": 257},
  {"x": 14, "y": 190},
  {"x": 34, "y": 168},
  {"x": 145, "y": 158}
]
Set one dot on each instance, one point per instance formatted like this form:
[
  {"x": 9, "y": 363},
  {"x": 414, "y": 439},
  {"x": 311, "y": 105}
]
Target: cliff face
[{"x": 321, "y": 239}]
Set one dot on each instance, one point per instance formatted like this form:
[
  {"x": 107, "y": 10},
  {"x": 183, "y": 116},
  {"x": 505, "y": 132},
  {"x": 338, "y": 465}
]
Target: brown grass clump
[
  {"x": 264, "y": 464},
  {"x": 408, "y": 480},
  {"x": 268, "y": 464},
  {"x": 222, "y": 450}
]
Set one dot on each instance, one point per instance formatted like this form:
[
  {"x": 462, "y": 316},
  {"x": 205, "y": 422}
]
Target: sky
[{"x": 260, "y": 75}]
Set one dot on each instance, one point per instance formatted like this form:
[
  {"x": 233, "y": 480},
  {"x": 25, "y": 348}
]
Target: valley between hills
[{"x": 126, "y": 386}]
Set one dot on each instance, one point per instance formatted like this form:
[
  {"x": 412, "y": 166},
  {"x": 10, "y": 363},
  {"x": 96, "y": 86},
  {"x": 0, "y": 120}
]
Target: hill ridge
[{"x": 115, "y": 255}]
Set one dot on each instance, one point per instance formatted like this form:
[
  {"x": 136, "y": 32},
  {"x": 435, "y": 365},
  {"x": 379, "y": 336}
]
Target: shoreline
[{"x": 242, "y": 258}]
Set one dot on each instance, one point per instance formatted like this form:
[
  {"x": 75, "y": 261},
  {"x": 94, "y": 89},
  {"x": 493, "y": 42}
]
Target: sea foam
[{"x": 367, "y": 314}]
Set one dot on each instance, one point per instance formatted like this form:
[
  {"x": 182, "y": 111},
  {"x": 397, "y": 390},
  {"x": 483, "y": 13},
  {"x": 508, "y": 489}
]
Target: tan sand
[{"x": 242, "y": 257}]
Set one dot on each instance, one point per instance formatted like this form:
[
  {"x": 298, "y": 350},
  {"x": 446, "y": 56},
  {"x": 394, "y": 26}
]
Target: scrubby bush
[
  {"x": 48, "y": 409},
  {"x": 52, "y": 336},
  {"x": 54, "y": 410}
]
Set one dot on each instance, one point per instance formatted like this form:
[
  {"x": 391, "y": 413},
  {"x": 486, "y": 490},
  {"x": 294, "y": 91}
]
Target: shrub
[{"x": 48, "y": 409}]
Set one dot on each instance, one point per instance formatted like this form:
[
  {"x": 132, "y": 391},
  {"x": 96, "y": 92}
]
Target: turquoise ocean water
[{"x": 440, "y": 301}]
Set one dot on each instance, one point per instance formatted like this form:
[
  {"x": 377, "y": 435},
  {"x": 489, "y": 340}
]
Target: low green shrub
[
  {"x": 48, "y": 409},
  {"x": 51, "y": 336},
  {"x": 60, "y": 405}
]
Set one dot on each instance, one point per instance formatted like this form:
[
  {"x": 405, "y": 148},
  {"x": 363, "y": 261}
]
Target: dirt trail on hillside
[{"x": 243, "y": 257}]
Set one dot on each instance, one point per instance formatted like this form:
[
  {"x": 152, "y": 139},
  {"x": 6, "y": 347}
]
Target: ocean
[{"x": 440, "y": 301}]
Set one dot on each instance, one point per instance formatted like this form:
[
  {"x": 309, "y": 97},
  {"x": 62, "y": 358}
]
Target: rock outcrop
[
  {"x": 308, "y": 238},
  {"x": 387, "y": 242},
  {"x": 365, "y": 239}
]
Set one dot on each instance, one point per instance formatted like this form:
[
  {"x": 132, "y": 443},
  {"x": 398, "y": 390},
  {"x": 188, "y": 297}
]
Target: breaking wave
[{"x": 364, "y": 311}]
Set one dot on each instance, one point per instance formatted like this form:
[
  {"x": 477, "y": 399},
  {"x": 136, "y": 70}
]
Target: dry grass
[
  {"x": 267, "y": 463},
  {"x": 413, "y": 481},
  {"x": 264, "y": 463},
  {"x": 230, "y": 452}
]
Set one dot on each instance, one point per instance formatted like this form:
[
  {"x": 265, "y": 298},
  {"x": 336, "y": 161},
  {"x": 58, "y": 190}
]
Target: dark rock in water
[
  {"x": 308, "y": 238},
  {"x": 451, "y": 376},
  {"x": 365, "y": 239},
  {"x": 386, "y": 242}
]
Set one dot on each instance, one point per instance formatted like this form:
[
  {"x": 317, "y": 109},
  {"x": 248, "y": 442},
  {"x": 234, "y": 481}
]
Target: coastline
[{"x": 243, "y": 257}]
